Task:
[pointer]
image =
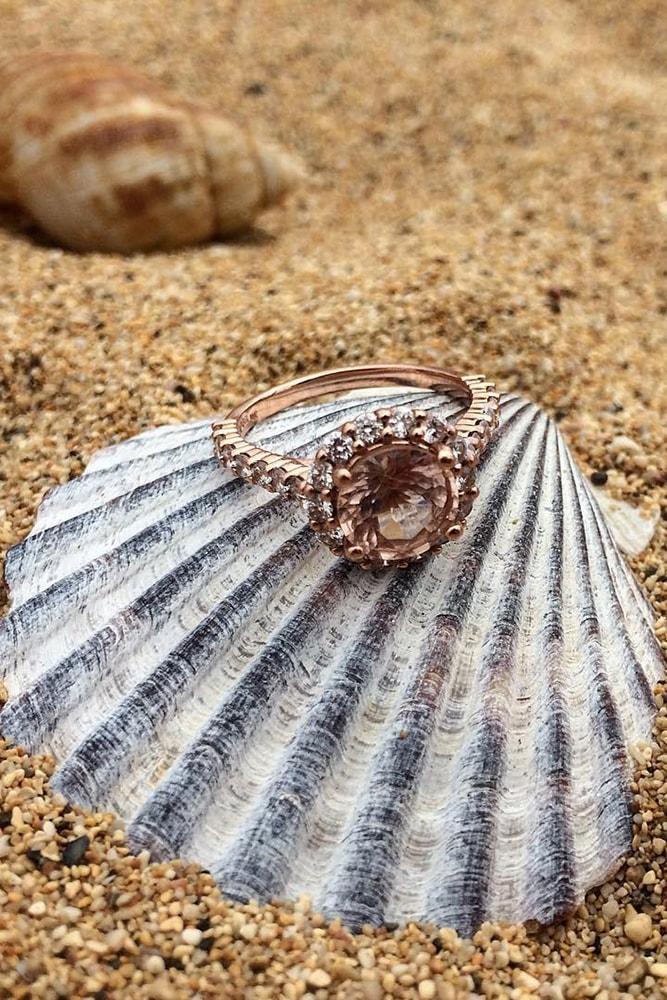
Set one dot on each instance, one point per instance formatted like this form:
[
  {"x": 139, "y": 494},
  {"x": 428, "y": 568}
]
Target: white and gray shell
[{"x": 447, "y": 743}]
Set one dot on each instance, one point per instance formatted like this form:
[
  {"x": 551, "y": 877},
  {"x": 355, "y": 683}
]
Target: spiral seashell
[
  {"x": 105, "y": 159},
  {"x": 449, "y": 743}
]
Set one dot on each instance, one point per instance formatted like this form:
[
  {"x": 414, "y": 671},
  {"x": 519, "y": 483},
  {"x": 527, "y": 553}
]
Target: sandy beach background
[{"x": 487, "y": 190}]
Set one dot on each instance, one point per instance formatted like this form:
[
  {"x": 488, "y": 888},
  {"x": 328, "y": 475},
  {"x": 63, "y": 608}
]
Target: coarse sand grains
[{"x": 487, "y": 191}]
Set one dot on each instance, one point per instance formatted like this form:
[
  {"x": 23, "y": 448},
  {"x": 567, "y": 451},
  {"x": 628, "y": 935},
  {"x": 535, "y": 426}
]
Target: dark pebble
[
  {"x": 634, "y": 972},
  {"x": 5, "y": 819},
  {"x": 35, "y": 857},
  {"x": 187, "y": 395},
  {"x": 599, "y": 478},
  {"x": 74, "y": 851},
  {"x": 255, "y": 89}
]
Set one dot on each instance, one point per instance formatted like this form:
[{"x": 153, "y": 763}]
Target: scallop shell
[
  {"x": 632, "y": 528},
  {"x": 105, "y": 159},
  {"x": 446, "y": 743}
]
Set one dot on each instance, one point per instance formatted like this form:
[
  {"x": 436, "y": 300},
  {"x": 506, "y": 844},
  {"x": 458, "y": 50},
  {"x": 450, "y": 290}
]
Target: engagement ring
[{"x": 393, "y": 485}]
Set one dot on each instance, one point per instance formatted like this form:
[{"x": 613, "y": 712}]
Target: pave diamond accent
[
  {"x": 276, "y": 476},
  {"x": 368, "y": 428},
  {"x": 434, "y": 430},
  {"x": 340, "y": 449},
  {"x": 257, "y": 472},
  {"x": 400, "y": 424},
  {"x": 335, "y": 536},
  {"x": 239, "y": 465},
  {"x": 288, "y": 488},
  {"x": 320, "y": 475},
  {"x": 318, "y": 509}
]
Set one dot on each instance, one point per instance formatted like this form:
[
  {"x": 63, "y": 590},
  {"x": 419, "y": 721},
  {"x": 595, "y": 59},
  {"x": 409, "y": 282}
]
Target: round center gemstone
[{"x": 395, "y": 502}]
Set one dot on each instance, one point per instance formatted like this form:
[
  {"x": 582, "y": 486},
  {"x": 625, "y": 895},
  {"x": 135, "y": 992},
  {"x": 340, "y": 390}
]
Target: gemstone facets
[
  {"x": 390, "y": 487},
  {"x": 396, "y": 503}
]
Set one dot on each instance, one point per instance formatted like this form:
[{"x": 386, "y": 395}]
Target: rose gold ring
[{"x": 393, "y": 485}]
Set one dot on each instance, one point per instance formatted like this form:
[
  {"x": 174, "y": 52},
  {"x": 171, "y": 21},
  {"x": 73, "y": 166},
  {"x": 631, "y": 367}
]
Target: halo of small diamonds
[{"x": 402, "y": 440}]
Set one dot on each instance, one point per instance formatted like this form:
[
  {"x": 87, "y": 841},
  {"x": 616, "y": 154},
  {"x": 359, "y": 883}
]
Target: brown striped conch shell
[{"x": 103, "y": 158}]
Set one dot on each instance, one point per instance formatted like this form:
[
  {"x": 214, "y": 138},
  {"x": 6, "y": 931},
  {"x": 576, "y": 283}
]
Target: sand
[{"x": 487, "y": 191}]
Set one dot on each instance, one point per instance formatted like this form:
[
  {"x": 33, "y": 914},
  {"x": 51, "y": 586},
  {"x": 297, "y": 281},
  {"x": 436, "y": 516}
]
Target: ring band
[{"x": 393, "y": 485}]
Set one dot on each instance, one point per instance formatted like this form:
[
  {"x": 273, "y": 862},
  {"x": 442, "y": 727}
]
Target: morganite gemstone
[{"x": 396, "y": 501}]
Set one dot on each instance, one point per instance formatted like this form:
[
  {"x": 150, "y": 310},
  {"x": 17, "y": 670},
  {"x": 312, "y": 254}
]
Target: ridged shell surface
[{"x": 445, "y": 743}]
